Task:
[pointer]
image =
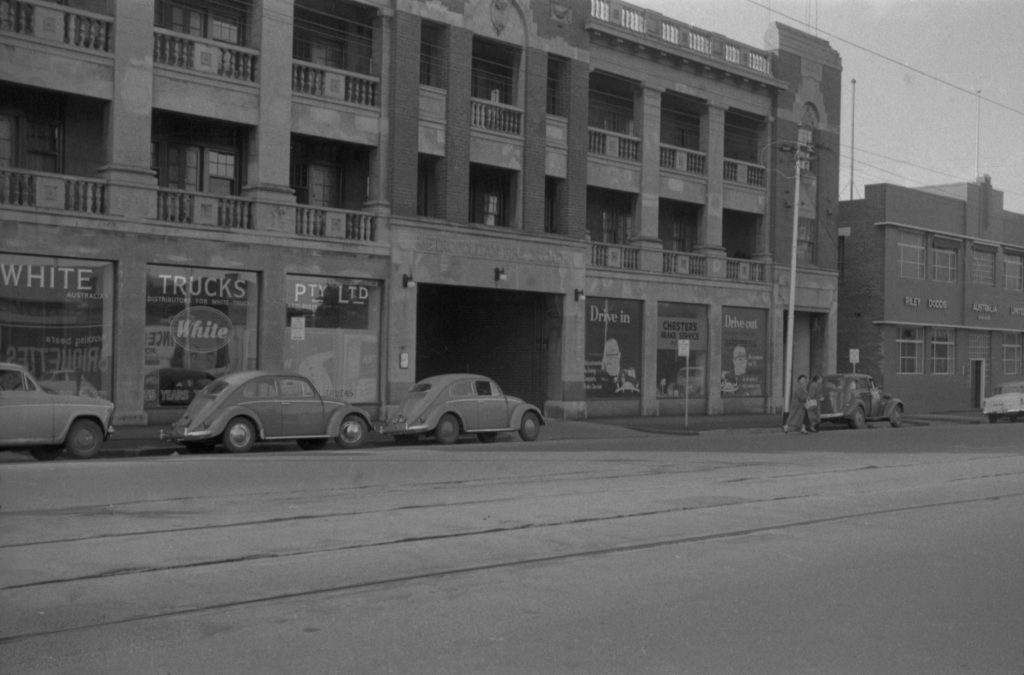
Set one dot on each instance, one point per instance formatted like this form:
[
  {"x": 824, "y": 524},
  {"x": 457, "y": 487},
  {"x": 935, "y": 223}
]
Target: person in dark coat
[
  {"x": 814, "y": 391},
  {"x": 797, "y": 414}
]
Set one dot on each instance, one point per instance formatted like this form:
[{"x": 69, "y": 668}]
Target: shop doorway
[
  {"x": 504, "y": 335},
  {"x": 977, "y": 382}
]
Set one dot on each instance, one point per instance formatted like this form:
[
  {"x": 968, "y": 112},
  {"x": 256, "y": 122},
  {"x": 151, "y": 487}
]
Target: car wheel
[
  {"x": 858, "y": 421},
  {"x": 312, "y": 443},
  {"x": 239, "y": 435},
  {"x": 45, "y": 454},
  {"x": 529, "y": 428},
  {"x": 352, "y": 433},
  {"x": 447, "y": 430},
  {"x": 896, "y": 418},
  {"x": 84, "y": 439},
  {"x": 488, "y": 436},
  {"x": 993, "y": 418}
]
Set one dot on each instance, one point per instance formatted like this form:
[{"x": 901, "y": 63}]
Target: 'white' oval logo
[{"x": 201, "y": 329}]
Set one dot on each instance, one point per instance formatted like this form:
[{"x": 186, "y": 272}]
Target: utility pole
[
  {"x": 853, "y": 129},
  {"x": 799, "y": 158}
]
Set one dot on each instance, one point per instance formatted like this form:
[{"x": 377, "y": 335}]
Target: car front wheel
[
  {"x": 352, "y": 433},
  {"x": 239, "y": 435},
  {"x": 529, "y": 428},
  {"x": 447, "y": 431},
  {"x": 857, "y": 421},
  {"x": 84, "y": 439}
]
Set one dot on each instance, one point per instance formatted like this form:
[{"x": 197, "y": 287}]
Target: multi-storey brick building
[
  {"x": 552, "y": 192},
  {"x": 931, "y": 292}
]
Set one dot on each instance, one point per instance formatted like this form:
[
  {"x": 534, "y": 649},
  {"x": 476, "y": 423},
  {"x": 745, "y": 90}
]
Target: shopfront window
[
  {"x": 943, "y": 351},
  {"x": 56, "y": 319},
  {"x": 744, "y": 346},
  {"x": 911, "y": 351},
  {"x": 681, "y": 376},
  {"x": 332, "y": 335},
  {"x": 613, "y": 348},
  {"x": 200, "y": 324}
]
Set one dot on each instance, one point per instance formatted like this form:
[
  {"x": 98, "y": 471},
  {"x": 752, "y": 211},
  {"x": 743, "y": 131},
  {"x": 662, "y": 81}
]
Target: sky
[{"x": 918, "y": 118}]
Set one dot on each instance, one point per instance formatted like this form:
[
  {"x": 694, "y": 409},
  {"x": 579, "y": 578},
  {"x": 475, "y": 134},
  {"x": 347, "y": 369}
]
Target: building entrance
[{"x": 501, "y": 334}]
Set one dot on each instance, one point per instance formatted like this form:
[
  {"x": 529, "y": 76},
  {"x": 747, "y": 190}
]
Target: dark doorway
[{"x": 499, "y": 334}]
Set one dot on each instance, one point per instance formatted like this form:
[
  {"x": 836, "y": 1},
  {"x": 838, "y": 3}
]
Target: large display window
[
  {"x": 613, "y": 348},
  {"x": 332, "y": 335},
  {"x": 744, "y": 346},
  {"x": 200, "y": 324},
  {"x": 680, "y": 376},
  {"x": 57, "y": 319}
]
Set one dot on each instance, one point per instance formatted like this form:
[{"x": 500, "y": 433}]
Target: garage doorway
[{"x": 500, "y": 334}]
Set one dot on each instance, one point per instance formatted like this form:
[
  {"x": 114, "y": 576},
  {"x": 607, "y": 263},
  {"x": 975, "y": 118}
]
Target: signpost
[
  {"x": 683, "y": 352},
  {"x": 854, "y": 358}
]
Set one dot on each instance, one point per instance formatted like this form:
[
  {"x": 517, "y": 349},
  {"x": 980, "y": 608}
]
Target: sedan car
[
  {"x": 44, "y": 422},
  {"x": 854, "y": 399},
  {"x": 446, "y": 406},
  {"x": 239, "y": 409},
  {"x": 1006, "y": 401}
]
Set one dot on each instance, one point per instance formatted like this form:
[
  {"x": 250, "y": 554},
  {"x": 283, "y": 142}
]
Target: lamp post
[{"x": 799, "y": 158}]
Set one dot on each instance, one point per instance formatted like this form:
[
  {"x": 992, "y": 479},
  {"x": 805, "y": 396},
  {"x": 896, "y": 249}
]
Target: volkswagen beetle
[
  {"x": 447, "y": 406},
  {"x": 42, "y": 421},
  {"x": 239, "y": 409},
  {"x": 854, "y": 399}
]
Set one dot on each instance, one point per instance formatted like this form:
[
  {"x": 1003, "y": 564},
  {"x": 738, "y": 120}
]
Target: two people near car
[{"x": 803, "y": 405}]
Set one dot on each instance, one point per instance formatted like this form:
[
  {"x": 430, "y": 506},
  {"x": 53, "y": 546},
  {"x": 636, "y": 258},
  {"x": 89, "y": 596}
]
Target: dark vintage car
[
  {"x": 239, "y": 409},
  {"x": 447, "y": 406},
  {"x": 44, "y": 422},
  {"x": 854, "y": 399}
]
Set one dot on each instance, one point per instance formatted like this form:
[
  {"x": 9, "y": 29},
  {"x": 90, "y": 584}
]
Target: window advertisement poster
[
  {"x": 613, "y": 348},
  {"x": 680, "y": 376},
  {"x": 200, "y": 324},
  {"x": 57, "y": 320},
  {"x": 744, "y": 345},
  {"x": 332, "y": 335}
]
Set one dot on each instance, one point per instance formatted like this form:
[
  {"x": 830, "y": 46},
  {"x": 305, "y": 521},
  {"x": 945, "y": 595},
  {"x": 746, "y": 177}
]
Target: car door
[
  {"x": 262, "y": 397},
  {"x": 492, "y": 407},
  {"x": 877, "y": 408},
  {"x": 302, "y": 410},
  {"x": 462, "y": 399},
  {"x": 26, "y": 411}
]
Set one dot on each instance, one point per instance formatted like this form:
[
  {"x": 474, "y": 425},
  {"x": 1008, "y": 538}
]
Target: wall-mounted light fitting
[
  {"x": 499, "y": 274},
  {"x": 580, "y": 295},
  {"x": 408, "y": 281}
]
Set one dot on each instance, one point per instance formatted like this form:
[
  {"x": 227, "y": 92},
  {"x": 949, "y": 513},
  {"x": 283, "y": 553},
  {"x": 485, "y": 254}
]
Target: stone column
[
  {"x": 713, "y": 142},
  {"x": 132, "y": 183},
  {"x": 268, "y": 166}
]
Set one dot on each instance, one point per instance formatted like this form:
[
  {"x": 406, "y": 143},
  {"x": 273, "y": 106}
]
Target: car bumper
[
  {"x": 186, "y": 435},
  {"x": 404, "y": 428}
]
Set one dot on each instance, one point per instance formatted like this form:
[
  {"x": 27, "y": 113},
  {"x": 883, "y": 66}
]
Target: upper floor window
[
  {"x": 1013, "y": 277},
  {"x": 910, "y": 247},
  {"x": 196, "y": 157},
  {"x": 433, "y": 55},
  {"x": 495, "y": 69},
  {"x": 806, "y": 240},
  {"x": 491, "y": 192},
  {"x": 341, "y": 39},
  {"x": 943, "y": 263},
  {"x": 611, "y": 104},
  {"x": 983, "y": 266},
  {"x": 558, "y": 85},
  {"x": 224, "y": 21},
  {"x": 610, "y": 215}
]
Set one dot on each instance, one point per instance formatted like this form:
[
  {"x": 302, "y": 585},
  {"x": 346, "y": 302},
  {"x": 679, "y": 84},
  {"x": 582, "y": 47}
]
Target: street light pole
[{"x": 790, "y": 320}]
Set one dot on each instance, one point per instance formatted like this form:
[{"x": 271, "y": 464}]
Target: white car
[{"x": 1007, "y": 400}]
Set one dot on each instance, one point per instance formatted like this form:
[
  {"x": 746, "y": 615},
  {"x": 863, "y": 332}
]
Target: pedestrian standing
[
  {"x": 797, "y": 414},
  {"x": 814, "y": 390}
]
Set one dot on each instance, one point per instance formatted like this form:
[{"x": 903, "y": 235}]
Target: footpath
[{"x": 145, "y": 440}]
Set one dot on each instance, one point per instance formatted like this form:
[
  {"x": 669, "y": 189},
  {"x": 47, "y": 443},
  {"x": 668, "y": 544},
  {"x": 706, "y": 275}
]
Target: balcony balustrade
[
  {"x": 611, "y": 144},
  {"x": 615, "y": 256},
  {"x": 56, "y": 23},
  {"x": 494, "y": 116},
  {"x": 323, "y": 223},
  {"x": 195, "y": 208},
  {"x": 35, "y": 189},
  {"x": 651, "y": 25},
  {"x": 686, "y": 264},
  {"x": 744, "y": 173},
  {"x": 339, "y": 85},
  {"x": 684, "y": 160},
  {"x": 204, "y": 56}
]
